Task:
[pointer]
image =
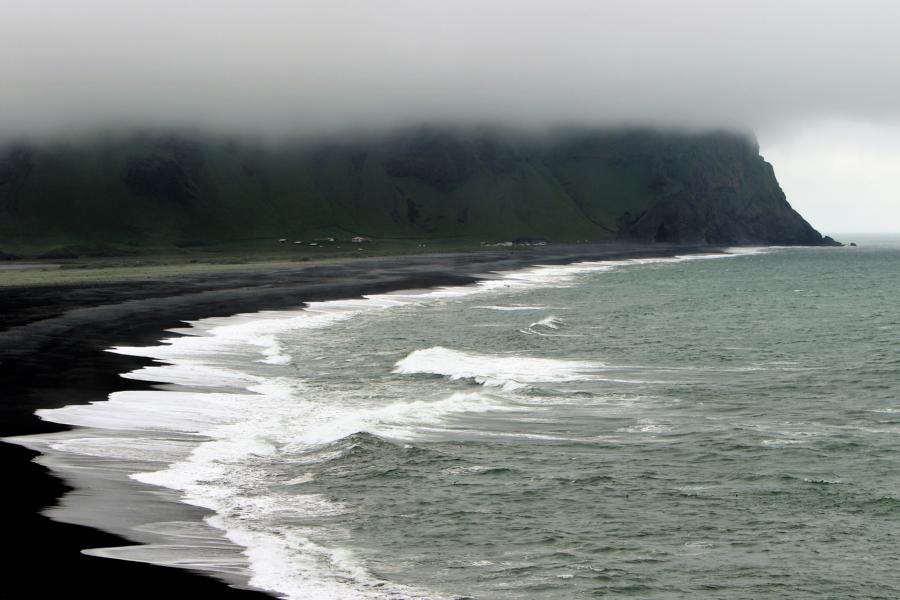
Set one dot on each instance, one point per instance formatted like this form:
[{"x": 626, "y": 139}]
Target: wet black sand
[{"x": 52, "y": 341}]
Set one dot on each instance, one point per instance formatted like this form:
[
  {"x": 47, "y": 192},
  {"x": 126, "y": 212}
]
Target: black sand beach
[{"x": 52, "y": 341}]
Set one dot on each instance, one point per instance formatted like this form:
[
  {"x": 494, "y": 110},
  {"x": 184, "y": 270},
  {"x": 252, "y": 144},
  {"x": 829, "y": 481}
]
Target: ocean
[{"x": 710, "y": 426}]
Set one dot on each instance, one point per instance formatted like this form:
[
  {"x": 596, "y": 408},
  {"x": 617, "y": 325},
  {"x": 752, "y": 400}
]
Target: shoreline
[{"x": 52, "y": 353}]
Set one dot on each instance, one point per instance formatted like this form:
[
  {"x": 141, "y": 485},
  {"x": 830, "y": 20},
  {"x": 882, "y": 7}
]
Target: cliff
[{"x": 142, "y": 190}]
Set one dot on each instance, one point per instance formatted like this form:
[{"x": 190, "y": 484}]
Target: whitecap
[
  {"x": 507, "y": 372},
  {"x": 551, "y": 322}
]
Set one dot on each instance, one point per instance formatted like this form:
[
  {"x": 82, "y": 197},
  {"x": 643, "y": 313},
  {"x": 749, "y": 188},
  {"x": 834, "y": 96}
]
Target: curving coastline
[{"x": 52, "y": 354}]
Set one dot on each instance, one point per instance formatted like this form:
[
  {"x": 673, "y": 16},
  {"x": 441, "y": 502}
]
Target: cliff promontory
[{"x": 154, "y": 190}]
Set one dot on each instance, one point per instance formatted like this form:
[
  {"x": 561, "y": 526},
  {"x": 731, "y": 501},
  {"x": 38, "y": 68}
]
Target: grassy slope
[
  {"x": 156, "y": 193},
  {"x": 76, "y": 195}
]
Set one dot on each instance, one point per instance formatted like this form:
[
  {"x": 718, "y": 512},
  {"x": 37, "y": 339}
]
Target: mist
[{"x": 282, "y": 67}]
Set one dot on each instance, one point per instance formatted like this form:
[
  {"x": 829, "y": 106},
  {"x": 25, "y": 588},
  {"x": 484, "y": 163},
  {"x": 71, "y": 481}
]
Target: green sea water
[
  {"x": 712, "y": 427},
  {"x": 731, "y": 429}
]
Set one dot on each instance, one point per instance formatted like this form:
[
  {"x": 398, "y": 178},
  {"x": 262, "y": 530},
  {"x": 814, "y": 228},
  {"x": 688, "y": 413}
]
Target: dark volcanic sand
[{"x": 52, "y": 341}]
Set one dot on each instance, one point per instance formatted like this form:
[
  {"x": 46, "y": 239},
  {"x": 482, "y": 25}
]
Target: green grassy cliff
[{"x": 122, "y": 193}]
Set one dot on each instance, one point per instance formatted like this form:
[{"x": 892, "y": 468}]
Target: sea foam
[
  {"x": 216, "y": 430},
  {"x": 507, "y": 372}
]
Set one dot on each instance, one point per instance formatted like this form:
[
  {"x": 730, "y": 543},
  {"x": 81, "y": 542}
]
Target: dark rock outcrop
[
  {"x": 15, "y": 166},
  {"x": 160, "y": 177},
  {"x": 713, "y": 188}
]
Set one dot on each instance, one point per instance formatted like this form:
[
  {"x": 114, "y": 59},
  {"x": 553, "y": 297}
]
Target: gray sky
[
  {"x": 841, "y": 175},
  {"x": 818, "y": 80}
]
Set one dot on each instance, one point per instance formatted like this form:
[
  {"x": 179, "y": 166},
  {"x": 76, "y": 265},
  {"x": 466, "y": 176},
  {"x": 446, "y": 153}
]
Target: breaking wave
[{"x": 506, "y": 372}]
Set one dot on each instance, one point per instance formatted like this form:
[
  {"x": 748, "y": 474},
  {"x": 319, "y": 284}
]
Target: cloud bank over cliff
[{"x": 280, "y": 66}]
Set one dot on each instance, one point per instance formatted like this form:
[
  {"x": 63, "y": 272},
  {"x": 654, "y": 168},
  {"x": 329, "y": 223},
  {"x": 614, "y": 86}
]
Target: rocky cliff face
[
  {"x": 423, "y": 183},
  {"x": 714, "y": 188},
  {"x": 15, "y": 166}
]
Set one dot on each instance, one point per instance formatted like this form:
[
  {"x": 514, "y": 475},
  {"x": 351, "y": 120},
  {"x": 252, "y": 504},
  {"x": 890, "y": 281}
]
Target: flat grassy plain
[{"x": 225, "y": 258}]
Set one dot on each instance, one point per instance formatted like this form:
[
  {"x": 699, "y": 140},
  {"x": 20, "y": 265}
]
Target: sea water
[{"x": 722, "y": 425}]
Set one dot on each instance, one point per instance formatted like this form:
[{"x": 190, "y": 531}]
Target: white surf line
[{"x": 208, "y": 475}]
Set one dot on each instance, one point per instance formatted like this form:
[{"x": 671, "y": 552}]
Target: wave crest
[{"x": 507, "y": 372}]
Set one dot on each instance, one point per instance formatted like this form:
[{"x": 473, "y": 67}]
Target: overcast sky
[{"x": 817, "y": 80}]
